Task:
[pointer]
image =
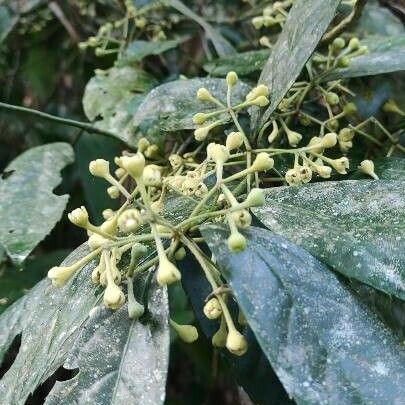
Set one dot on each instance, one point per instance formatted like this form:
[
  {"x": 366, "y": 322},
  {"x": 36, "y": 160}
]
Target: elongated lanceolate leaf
[
  {"x": 356, "y": 227},
  {"x": 28, "y": 208},
  {"x": 325, "y": 346},
  {"x": 304, "y": 27}
]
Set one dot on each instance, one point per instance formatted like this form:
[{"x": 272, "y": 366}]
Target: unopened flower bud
[
  {"x": 109, "y": 226},
  {"x": 264, "y": 41},
  {"x": 199, "y": 118},
  {"x": 262, "y": 163},
  {"x": 346, "y": 134},
  {"x": 367, "y": 167},
  {"x": 323, "y": 171},
  {"x": 234, "y": 140},
  {"x": 274, "y": 133},
  {"x": 120, "y": 172},
  {"x": 332, "y": 98},
  {"x": 293, "y": 137},
  {"x": 392, "y": 107},
  {"x": 152, "y": 152},
  {"x": 212, "y": 309},
  {"x": 175, "y": 161},
  {"x": 343, "y": 62},
  {"x": 113, "y": 192},
  {"x": 143, "y": 144},
  {"x": 260, "y": 101},
  {"x": 134, "y": 165},
  {"x": 329, "y": 140},
  {"x": 200, "y": 134},
  {"x": 255, "y": 198},
  {"x": 203, "y": 94},
  {"x": 340, "y": 165},
  {"x": 60, "y": 275},
  {"x": 79, "y": 217},
  {"x": 231, "y": 78},
  {"x": 99, "y": 168},
  {"x": 180, "y": 254},
  {"x": 130, "y": 220},
  {"x": 242, "y": 218},
  {"x": 236, "y": 343},
  {"x": 236, "y": 242},
  {"x": 258, "y": 22},
  {"x": 152, "y": 176},
  {"x": 350, "y": 109},
  {"x": 187, "y": 333},
  {"x": 218, "y": 153},
  {"x": 260, "y": 90},
  {"x": 113, "y": 298},
  {"x": 354, "y": 44},
  {"x": 338, "y": 43},
  {"x": 167, "y": 273}
]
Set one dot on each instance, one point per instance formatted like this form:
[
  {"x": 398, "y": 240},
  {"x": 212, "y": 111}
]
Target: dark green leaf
[
  {"x": 28, "y": 207},
  {"x": 386, "y": 54},
  {"x": 222, "y": 46},
  {"x": 112, "y": 97},
  {"x": 323, "y": 344},
  {"x": 356, "y": 227},
  {"x": 118, "y": 359},
  {"x": 171, "y": 106},
  {"x": 241, "y": 63},
  {"x": 137, "y": 50},
  {"x": 304, "y": 27}
]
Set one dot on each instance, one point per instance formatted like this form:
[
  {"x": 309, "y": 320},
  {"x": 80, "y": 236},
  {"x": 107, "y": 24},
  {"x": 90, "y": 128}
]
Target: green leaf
[
  {"x": 241, "y": 63},
  {"x": 222, "y": 46},
  {"x": 171, "y": 106},
  {"x": 304, "y": 27},
  {"x": 386, "y": 168},
  {"x": 324, "y": 346},
  {"x": 15, "y": 282},
  {"x": 28, "y": 208},
  {"x": 113, "y": 96},
  {"x": 356, "y": 227},
  {"x": 386, "y": 55},
  {"x": 118, "y": 359},
  {"x": 137, "y": 50}
]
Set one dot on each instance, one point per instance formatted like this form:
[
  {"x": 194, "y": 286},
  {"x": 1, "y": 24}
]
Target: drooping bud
[
  {"x": 274, "y": 133},
  {"x": 236, "y": 343},
  {"x": 262, "y": 162},
  {"x": 187, "y": 333},
  {"x": 234, "y": 140},
  {"x": 236, "y": 242},
  {"x": 134, "y": 165},
  {"x": 167, "y": 273},
  {"x": 79, "y": 217},
  {"x": 367, "y": 167},
  {"x": 255, "y": 198},
  {"x": 113, "y": 298},
  {"x": 212, "y": 309}
]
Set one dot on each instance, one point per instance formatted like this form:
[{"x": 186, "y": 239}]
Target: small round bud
[
  {"x": 236, "y": 242},
  {"x": 354, "y": 44},
  {"x": 218, "y": 153},
  {"x": 260, "y": 90},
  {"x": 113, "y": 192},
  {"x": 338, "y": 43},
  {"x": 134, "y": 165},
  {"x": 264, "y": 41},
  {"x": 187, "y": 333},
  {"x": 236, "y": 343},
  {"x": 350, "y": 109},
  {"x": 99, "y": 168},
  {"x": 152, "y": 176},
  {"x": 130, "y": 220},
  {"x": 260, "y": 101},
  {"x": 79, "y": 217},
  {"x": 231, "y": 79},
  {"x": 234, "y": 140},
  {"x": 113, "y": 298},
  {"x": 167, "y": 273},
  {"x": 60, "y": 275},
  {"x": 332, "y": 98},
  {"x": 203, "y": 94},
  {"x": 343, "y": 62},
  {"x": 242, "y": 218},
  {"x": 152, "y": 152},
  {"x": 107, "y": 213},
  {"x": 258, "y": 22},
  {"x": 212, "y": 309},
  {"x": 329, "y": 140},
  {"x": 346, "y": 134},
  {"x": 293, "y": 137},
  {"x": 143, "y": 144},
  {"x": 180, "y": 254},
  {"x": 199, "y": 118},
  {"x": 262, "y": 163},
  {"x": 333, "y": 125},
  {"x": 120, "y": 172},
  {"x": 367, "y": 167},
  {"x": 200, "y": 134},
  {"x": 255, "y": 198}
]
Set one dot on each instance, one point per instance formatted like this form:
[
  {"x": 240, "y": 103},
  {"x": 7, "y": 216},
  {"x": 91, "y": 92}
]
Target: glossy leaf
[
  {"x": 241, "y": 63},
  {"x": 28, "y": 208},
  {"x": 112, "y": 97},
  {"x": 306, "y": 23},
  {"x": 171, "y": 106},
  {"x": 222, "y": 46},
  {"x": 356, "y": 227},
  {"x": 323, "y": 344},
  {"x": 118, "y": 359},
  {"x": 386, "y": 55}
]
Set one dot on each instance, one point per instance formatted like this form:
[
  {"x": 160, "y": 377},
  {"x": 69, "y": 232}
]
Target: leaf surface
[
  {"x": 28, "y": 208},
  {"x": 356, "y": 227},
  {"x": 323, "y": 344}
]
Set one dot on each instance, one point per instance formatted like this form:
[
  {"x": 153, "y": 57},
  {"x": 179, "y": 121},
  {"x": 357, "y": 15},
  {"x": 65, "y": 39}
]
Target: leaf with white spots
[
  {"x": 355, "y": 227},
  {"x": 118, "y": 360},
  {"x": 28, "y": 207},
  {"x": 325, "y": 346}
]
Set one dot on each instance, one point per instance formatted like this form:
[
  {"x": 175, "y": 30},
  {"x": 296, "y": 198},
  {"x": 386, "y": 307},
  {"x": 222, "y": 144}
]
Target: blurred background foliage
[{"x": 43, "y": 67}]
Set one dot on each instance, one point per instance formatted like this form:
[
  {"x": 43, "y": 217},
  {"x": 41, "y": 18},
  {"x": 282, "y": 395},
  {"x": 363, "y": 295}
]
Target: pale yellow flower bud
[
  {"x": 143, "y": 144},
  {"x": 218, "y": 153},
  {"x": 79, "y": 217},
  {"x": 175, "y": 161},
  {"x": 113, "y": 298},
  {"x": 200, "y": 134},
  {"x": 152, "y": 152},
  {"x": 234, "y": 140},
  {"x": 130, "y": 220},
  {"x": 113, "y": 192},
  {"x": 199, "y": 118},
  {"x": 293, "y": 137},
  {"x": 346, "y": 134},
  {"x": 99, "y": 168},
  {"x": 329, "y": 140},
  {"x": 258, "y": 22},
  {"x": 152, "y": 176},
  {"x": 260, "y": 90},
  {"x": 367, "y": 167},
  {"x": 107, "y": 213},
  {"x": 167, "y": 273},
  {"x": 203, "y": 94},
  {"x": 212, "y": 309},
  {"x": 340, "y": 165},
  {"x": 134, "y": 165},
  {"x": 120, "y": 172},
  {"x": 274, "y": 133},
  {"x": 260, "y": 101},
  {"x": 242, "y": 218},
  {"x": 354, "y": 44},
  {"x": 262, "y": 163},
  {"x": 236, "y": 242},
  {"x": 187, "y": 333},
  {"x": 231, "y": 79},
  {"x": 60, "y": 275},
  {"x": 236, "y": 343},
  {"x": 255, "y": 198}
]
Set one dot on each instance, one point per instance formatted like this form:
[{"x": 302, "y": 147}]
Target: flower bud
[
  {"x": 293, "y": 137},
  {"x": 152, "y": 152},
  {"x": 99, "y": 168},
  {"x": 332, "y": 98},
  {"x": 180, "y": 254},
  {"x": 292, "y": 177},
  {"x": 340, "y": 165},
  {"x": 95, "y": 241},
  {"x": 120, "y": 172},
  {"x": 199, "y": 118},
  {"x": 109, "y": 226},
  {"x": 218, "y": 153},
  {"x": 260, "y": 90},
  {"x": 236, "y": 242},
  {"x": 242, "y": 218},
  {"x": 200, "y": 134},
  {"x": 187, "y": 333},
  {"x": 203, "y": 94},
  {"x": 135, "y": 309},
  {"x": 338, "y": 43},
  {"x": 343, "y": 62},
  {"x": 113, "y": 192},
  {"x": 258, "y": 22},
  {"x": 274, "y": 133},
  {"x": 350, "y": 109},
  {"x": 175, "y": 161},
  {"x": 354, "y": 44},
  {"x": 60, "y": 275},
  {"x": 255, "y": 198},
  {"x": 346, "y": 134},
  {"x": 79, "y": 217},
  {"x": 113, "y": 298},
  {"x": 264, "y": 41},
  {"x": 322, "y": 170},
  {"x": 329, "y": 140},
  {"x": 260, "y": 101},
  {"x": 236, "y": 343},
  {"x": 231, "y": 79},
  {"x": 212, "y": 309},
  {"x": 143, "y": 144},
  {"x": 234, "y": 140},
  {"x": 167, "y": 272},
  {"x": 152, "y": 176},
  {"x": 134, "y": 165},
  {"x": 262, "y": 163},
  {"x": 316, "y": 141},
  {"x": 367, "y": 167},
  {"x": 333, "y": 125},
  {"x": 392, "y": 107},
  {"x": 130, "y": 220}
]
